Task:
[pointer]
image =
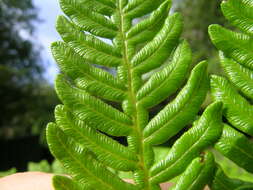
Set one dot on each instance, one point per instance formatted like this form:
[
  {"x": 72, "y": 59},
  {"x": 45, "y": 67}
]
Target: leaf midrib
[{"x": 132, "y": 95}]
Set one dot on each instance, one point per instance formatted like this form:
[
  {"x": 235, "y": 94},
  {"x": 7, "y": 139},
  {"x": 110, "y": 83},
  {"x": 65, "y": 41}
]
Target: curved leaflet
[
  {"x": 181, "y": 111},
  {"x": 198, "y": 174},
  {"x": 203, "y": 133}
]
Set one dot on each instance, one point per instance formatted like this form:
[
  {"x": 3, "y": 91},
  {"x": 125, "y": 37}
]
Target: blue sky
[{"x": 48, "y": 10}]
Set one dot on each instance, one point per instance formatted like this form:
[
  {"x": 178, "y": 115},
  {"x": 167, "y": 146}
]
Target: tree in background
[
  {"x": 18, "y": 54},
  {"x": 26, "y": 99}
]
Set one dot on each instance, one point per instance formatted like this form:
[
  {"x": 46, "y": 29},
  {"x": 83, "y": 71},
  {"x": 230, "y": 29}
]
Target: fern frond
[
  {"x": 91, "y": 114},
  {"x": 237, "y": 61},
  {"x": 204, "y": 133},
  {"x": 81, "y": 164},
  {"x": 198, "y": 174}
]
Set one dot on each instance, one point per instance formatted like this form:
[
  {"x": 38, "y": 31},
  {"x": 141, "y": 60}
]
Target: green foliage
[
  {"x": 81, "y": 138},
  {"x": 199, "y": 173},
  {"x": 237, "y": 61},
  {"x": 44, "y": 166},
  {"x": 8, "y": 172}
]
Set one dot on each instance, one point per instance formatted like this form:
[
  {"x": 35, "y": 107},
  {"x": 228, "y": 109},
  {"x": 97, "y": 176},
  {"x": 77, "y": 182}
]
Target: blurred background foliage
[{"x": 28, "y": 100}]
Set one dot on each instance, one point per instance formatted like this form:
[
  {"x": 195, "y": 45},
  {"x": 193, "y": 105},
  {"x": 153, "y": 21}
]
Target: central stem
[{"x": 142, "y": 175}]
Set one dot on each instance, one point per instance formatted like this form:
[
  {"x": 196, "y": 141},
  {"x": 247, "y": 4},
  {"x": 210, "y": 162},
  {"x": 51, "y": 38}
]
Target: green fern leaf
[
  {"x": 222, "y": 181},
  {"x": 166, "y": 82},
  {"x": 138, "y": 8},
  {"x": 238, "y": 110},
  {"x": 90, "y": 21},
  {"x": 239, "y": 14},
  {"x": 198, "y": 174},
  {"x": 81, "y": 163},
  {"x": 81, "y": 138},
  {"x": 95, "y": 81},
  {"x": 235, "y": 45},
  {"x": 181, "y": 111},
  {"x": 106, "y": 149},
  {"x": 237, "y": 61},
  {"x": 87, "y": 46},
  {"x": 156, "y": 51},
  {"x": 240, "y": 76},
  {"x": 92, "y": 110},
  {"x": 237, "y": 147},
  {"x": 65, "y": 183},
  {"x": 204, "y": 132},
  {"x": 146, "y": 29}
]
